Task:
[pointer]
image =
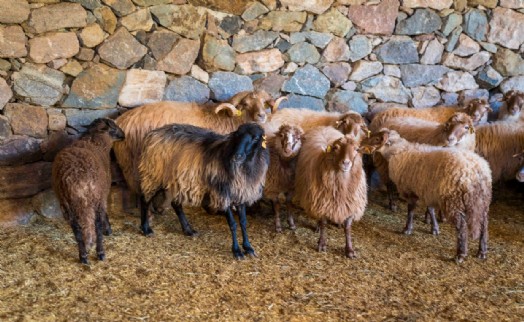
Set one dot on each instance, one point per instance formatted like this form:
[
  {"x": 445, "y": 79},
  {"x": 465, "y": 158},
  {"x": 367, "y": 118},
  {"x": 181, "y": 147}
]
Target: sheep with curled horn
[
  {"x": 222, "y": 118},
  {"x": 82, "y": 181},
  {"x": 189, "y": 165}
]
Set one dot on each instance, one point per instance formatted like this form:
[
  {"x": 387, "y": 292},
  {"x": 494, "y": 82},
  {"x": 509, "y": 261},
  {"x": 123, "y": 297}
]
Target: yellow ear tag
[
  {"x": 471, "y": 130},
  {"x": 238, "y": 113},
  {"x": 264, "y": 142},
  {"x": 328, "y": 149},
  {"x": 368, "y": 133}
]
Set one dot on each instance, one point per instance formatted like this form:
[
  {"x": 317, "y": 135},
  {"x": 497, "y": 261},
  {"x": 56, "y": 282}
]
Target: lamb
[
  {"x": 497, "y": 142},
  {"x": 477, "y": 109},
  {"x": 82, "y": 180},
  {"x": 284, "y": 147},
  {"x": 189, "y": 165},
  {"x": 457, "y": 131},
  {"x": 347, "y": 123},
  {"x": 512, "y": 107},
  {"x": 331, "y": 184},
  {"x": 457, "y": 181},
  {"x": 224, "y": 118}
]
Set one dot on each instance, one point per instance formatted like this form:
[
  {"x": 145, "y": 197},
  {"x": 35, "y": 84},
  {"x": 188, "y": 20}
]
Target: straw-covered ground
[{"x": 171, "y": 277}]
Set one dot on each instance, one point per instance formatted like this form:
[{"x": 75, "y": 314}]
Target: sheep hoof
[
  {"x": 292, "y": 227},
  {"x": 191, "y": 233},
  {"x": 351, "y": 254},
  {"x": 84, "y": 260},
  {"x": 108, "y": 232},
  {"x": 250, "y": 251},
  {"x": 237, "y": 253},
  {"x": 460, "y": 259},
  {"x": 322, "y": 248},
  {"x": 482, "y": 255},
  {"x": 148, "y": 232},
  {"x": 278, "y": 229},
  {"x": 408, "y": 231},
  {"x": 435, "y": 232},
  {"x": 101, "y": 257}
]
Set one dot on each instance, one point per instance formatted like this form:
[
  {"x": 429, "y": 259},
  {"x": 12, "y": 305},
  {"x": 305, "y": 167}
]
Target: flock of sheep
[{"x": 224, "y": 157}]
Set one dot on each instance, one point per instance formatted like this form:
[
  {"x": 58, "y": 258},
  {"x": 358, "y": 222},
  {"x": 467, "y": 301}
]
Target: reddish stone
[
  {"x": 379, "y": 19},
  {"x": 27, "y": 119},
  {"x": 24, "y": 180}
]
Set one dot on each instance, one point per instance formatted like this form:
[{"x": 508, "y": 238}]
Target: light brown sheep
[
  {"x": 82, "y": 180},
  {"x": 497, "y": 142},
  {"x": 477, "y": 109},
  {"x": 330, "y": 182},
  {"x": 223, "y": 118},
  {"x": 284, "y": 148},
  {"x": 456, "y": 181},
  {"x": 511, "y": 109}
]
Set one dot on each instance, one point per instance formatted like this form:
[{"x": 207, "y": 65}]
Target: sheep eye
[{"x": 467, "y": 127}]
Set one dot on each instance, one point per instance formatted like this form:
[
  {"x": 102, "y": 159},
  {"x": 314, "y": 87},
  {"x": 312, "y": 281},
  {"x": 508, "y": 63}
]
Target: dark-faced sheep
[
  {"x": 189, "y": 165},
  {"x": 284, "y": 147},
  {"x": 82, "y": 180},
  {"x": 330, "y": 182},
  {"x": 223, "y": 118},
  {"x": 456, "y": 181}
]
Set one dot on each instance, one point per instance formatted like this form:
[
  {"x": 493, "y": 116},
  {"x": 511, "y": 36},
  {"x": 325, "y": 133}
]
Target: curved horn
[
  {"x": 228, "y": 106},
  {"x": 238, "y": 97},
  {"x": 277, "y": 103}
]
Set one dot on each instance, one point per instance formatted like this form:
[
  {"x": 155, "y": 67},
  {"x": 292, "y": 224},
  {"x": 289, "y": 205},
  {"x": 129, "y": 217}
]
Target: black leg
[
  {"x": 106, "y": 224},
  {"x": 99, "y": 237},
  {"x": 276, "y": 210},
  {"x": 322, "y": 241},
  {"x": 186, "y": 227},
  {"x": 233, "y": 227},
  {"x": 82, "y": 252},
  {"x": 434, "y": 224},
  {"x": 350, "y": 252},
  {"x": 462, "y": 238},
  {"x": 391, "y": 190},
  {"x": 248, "y": 249},
  {"x": 483, "y": 240},
  {"x": 144, "y": 217},
  {"x": 408, "y": 230}
]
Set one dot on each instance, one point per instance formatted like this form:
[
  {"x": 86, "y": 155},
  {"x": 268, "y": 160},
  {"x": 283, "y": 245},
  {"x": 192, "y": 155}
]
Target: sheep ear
[
  {"x": 230, "y": 108},
  {"x": 275, "y": 106}
]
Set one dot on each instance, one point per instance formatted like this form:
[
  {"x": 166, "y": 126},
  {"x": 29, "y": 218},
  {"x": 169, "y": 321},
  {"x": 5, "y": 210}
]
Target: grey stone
[
  {"x": 392, "y": 70},
  {"x": 271, "y": 84},
  {"x": 225, "y": 85},
  {"x": 450, "y": 98},
  {"x": 187, "y": 89},
  {"x": 468, "y": 64},
  {"x": 5, "y": 93},
  {"x": 453, "y": 39},
  {"x": 217, "y": 54},
  {"x": 337, "y": 73},
  {"x": 20, "y": 149},
  {"x": 466, "y": 46},
  {"x": 513, "y": 83},
  {"x": 39, "y": 84},
  {"x": 451, "y": 22},
  {"x": 387, "y": 89},
  {"x": 364, "y": 69},
  {"x": 121, "y": 7},
  {"x": 359, "y": 47},
  {"x": 254, "y": 10},
  {"x": 283, "y": 45},
  {"x": 231, "y": 24},
  {"x": 14, "y": 11},
  {"x": 256, "y": 41},
  {"x": 161, "y": 42},
  {"x": 492, "y": 48},
  {"x": 303, "y": 52},
  {"x": 398, "y": 50},
  {"x": 468, "y": 95},
  {"x": 508, "y": 63},
  {"x": 423, "y": 21},
  {"x": 300, "y": 101},
  {"x": 505, "y": 28},
  {"x": 163, "y": 14},
  {"x": 350, "y": 86},
  {"x": 89, "y": 4},
  {"x": 456, "y": 81},
  {"x": 78, "y": 119},
  {"x": 5, "y": 128},
  {"x": 121, "y": 49},
  {"x": 318, "y": 39},
  {"x": 425, "y": 96},
  {"x": 96, "y": 87},
  {"x": 488, "y": 78},
  {"x": 476, "y": 24},
  {"x": 307, "y": 80},
  {"x": 414, "y": 75},
  {"x": 345, "y": 101},
  {"x": 46, "y": 204},
  {"x": 433, "y": 53}
]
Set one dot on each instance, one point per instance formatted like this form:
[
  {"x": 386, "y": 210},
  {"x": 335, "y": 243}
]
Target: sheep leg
[
  {"x": 248, "y": 249},
  {"x": 106, "y": 224},
  {"x": 233, "y": 227},
  {"x": 290, "y": 219},
  {"x": 434, "y": 224},
  {"x": 186, "y": 227},
  {"x": 408, "y": 230},
  {"x": 390, "y": 187},
  {"x": 483, "y": 240},
  {"x": 322, "y": 242},
  {"x": 144, "y": 217},
  {"x": 462, "y": 240},
  {"x": 99, "y": 237},
  {"x": 82, "y": 252},
  {"x": 350, "y": 253},
  {"x": 427, "y": 217},
  {"x": 276, "y": 210}
]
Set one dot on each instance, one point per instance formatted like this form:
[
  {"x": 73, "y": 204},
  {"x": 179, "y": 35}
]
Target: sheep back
[{"x": 323, "y": 192}]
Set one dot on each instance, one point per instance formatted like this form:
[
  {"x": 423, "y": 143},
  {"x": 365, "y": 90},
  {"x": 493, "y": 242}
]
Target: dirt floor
[{"x": 171, "y": 277}]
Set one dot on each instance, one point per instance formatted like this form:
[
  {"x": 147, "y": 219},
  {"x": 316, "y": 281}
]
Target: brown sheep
[
  {"x": 222, "y": 118},
  {"x": 497, "y": 142},
  {"x": 284, "y": 147},
  {"x": 330, "y": 182},
  {"x": 477, "y": 109},
  {"x": 457, "y": 181},
  {"x": 511, "y": 110},
  {"x": 82, "y": 180}
]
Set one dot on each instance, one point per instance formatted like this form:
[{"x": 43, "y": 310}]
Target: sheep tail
[
  {"x": 477, "y": 212},
  {"x": 87, "y": 223}
]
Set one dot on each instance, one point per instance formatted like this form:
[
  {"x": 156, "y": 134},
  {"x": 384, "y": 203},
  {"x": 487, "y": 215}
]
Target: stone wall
[{"x": 64, "y": 63}]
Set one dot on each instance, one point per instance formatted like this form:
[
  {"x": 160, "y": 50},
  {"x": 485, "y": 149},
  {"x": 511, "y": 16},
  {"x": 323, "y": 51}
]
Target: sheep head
[
  {"x": 343, "y": 153},
  {"x": 288, "y": 140},
  {"x": 105, "y": 125},
  {"x": 478, "y": 110},
  {"x": 457, "y": 127},
  {"x": 251, "y": 105},
  {"x": 377, "y": 140},
  {"x": 514, "y": 101},
  {"x": 352, "y": 123},
  {"x": 247, "y": 140}
]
